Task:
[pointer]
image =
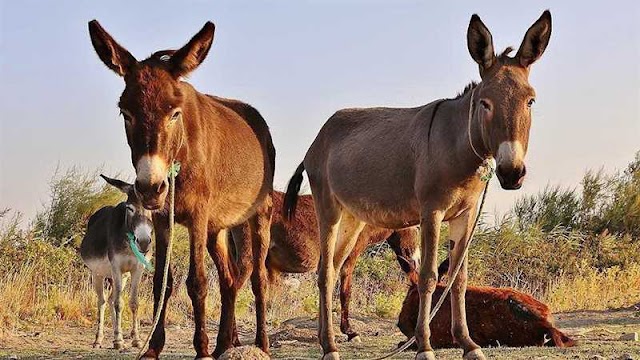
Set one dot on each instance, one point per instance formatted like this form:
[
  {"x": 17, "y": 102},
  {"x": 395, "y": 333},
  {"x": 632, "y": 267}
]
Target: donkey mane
[{"x": 470, "y": 86}]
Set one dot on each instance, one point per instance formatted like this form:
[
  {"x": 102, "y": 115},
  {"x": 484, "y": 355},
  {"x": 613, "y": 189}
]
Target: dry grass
[
  {"x": 27, "y": 301},
  {"x": 612, "y": 288}
]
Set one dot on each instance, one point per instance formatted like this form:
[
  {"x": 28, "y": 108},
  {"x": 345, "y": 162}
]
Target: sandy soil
[{"x": 598, "y": 333}]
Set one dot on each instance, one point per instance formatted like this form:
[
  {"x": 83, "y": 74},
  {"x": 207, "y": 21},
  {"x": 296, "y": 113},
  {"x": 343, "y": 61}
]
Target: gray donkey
[{"x": 105, "y": 249}]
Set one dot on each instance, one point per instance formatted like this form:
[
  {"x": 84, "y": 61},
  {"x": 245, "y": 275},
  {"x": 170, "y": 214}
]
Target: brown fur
[
  {"x": 497, "y": 317},
  {"x": 295, "y": 248},
  {"x": 400, "y": 167},
  {"x": 227, "y": 164}
]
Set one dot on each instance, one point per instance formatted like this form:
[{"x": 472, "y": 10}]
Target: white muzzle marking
[
  {"x": 143, "y": 231},
  {"x": 510, "y": 153},
  {"x": 151, "y": 169}
]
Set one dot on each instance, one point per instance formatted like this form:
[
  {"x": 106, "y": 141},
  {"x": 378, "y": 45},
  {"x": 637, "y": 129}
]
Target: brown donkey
[
  {"x": 395, "y": 168},
  {"x": 227, "y": 164},
  {"x": 295, "y": 248},
  {"x": 497, "y": 317}
]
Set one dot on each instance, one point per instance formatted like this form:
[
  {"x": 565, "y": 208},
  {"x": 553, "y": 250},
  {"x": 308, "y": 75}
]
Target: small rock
[
  {"x": 12, "y": 357},
  {"x": 629, "y": 337},
  {"x": 244, "y": 353},
  {"x": 625, "y": 357}
]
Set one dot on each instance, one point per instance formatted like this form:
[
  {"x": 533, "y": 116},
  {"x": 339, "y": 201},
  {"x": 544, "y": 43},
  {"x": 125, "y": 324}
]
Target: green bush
[{"x": 75, "y": 195}]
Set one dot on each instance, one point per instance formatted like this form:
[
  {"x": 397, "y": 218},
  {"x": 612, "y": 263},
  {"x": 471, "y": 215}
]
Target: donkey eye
[
  {"x": 126, "y": 117},
  {"x": 176, "y": 115},
  {"x": 130, "y": 208},
  {"x": 531, "y": 102},
  {"x": 485, "y": 105}
]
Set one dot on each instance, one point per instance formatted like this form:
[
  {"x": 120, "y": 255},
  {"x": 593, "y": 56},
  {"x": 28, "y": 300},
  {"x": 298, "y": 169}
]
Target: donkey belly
[
  {"x": 366, "y": 158},
  {"x": 380, "y": 193},
  {"x": 99, "y": 266}
]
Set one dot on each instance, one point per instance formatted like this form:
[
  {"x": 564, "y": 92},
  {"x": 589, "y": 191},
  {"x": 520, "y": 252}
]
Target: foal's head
[
  {"x": 503, "y": 100},
  {"x": 152, "y": 105},
  {"x": 137, "y": 219}
]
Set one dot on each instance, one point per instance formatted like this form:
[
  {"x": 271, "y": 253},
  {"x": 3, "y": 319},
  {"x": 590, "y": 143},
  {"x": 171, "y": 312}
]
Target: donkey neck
[
  {"x": 197, "y": 129},
  {"x": 119, "y": 224},
  {"x": 456, "y": 128}
]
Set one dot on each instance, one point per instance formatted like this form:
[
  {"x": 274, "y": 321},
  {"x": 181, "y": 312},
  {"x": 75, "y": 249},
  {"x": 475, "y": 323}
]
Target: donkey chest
[
  {"x": 460, "y": 200},
  {"x": 227, "y": 203}
]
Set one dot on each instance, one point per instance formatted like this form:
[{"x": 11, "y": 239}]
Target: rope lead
[{"x": 173, "y": 172}]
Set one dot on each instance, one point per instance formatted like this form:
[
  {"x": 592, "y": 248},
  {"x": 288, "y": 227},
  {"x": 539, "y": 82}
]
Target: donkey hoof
[
  {"x": 118, "y": 345},
  {"x": 97, "y": 344},
  {"x": 149, "y": 355},
  {"x": 426, "y": 355},
  {"x": 135, "y": 343},
  {"x": 474, "y": 355},
  {"x": 331, "y": 356}
]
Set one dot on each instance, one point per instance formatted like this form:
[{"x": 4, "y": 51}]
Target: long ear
[
  {"x": 110, "y": 52},
  {"x": 480, "y": 43},
  {"x": 187, "y": 58},
  {"x": 119, "y": 184},
  {"x": 535, "y": 40}
]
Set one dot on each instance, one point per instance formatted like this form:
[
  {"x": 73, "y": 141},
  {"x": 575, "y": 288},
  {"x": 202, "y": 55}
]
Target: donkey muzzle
[
  {"x": 152, "y": 195},
  {"x": 143, "y": 245},
  {"x": 151, "y": 181},
  {"x": 511, "y": 177}
]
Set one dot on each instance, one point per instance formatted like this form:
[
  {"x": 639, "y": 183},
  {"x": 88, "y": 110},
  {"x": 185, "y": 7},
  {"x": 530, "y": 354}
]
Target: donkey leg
[
  {"x": 116, "y": 306},
  {"x": 133, "y": 305},
  {"x": 197, "y": 283},
  {"x": 460, "y": 230},
  {"x": 219, "y": 251},
  {"x": 260, "y": 225},
  {"x": 161, "y": 229},
  {"x": 244, "y": 253},
  {"x": 242, "y": 267},
  {"x": 346, "y": 274},
  {"x": 328, "y": 221},
  {"x": 98, "y": 286},
  {"x": 430, "y": 226}
]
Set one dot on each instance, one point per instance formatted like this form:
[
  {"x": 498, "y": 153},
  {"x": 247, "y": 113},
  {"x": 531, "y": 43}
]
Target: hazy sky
[{"x": 299, "y": 61}]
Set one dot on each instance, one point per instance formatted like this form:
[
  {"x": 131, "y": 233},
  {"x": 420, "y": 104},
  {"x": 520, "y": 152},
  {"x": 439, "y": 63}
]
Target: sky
[{"x": 298, "y": 62}]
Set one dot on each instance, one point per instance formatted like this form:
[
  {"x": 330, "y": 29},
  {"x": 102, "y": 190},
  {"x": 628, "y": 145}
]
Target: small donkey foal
[{"x": 106, "y": 251}]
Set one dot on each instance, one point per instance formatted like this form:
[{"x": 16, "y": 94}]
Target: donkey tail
[{"x": 291, "y": 196}]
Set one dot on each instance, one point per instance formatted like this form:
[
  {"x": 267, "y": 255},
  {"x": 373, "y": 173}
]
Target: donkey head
[
  {"x": 152, "y": 105},
  {"x": 503, "y": 100},
  {"x": 137, "y": 219}
]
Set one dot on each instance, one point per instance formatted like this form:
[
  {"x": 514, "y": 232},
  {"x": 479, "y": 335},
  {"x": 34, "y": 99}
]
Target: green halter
[{"x": 143, "y": 260}]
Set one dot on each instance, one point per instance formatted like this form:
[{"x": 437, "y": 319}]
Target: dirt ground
[{"x": 598, "y": 333}]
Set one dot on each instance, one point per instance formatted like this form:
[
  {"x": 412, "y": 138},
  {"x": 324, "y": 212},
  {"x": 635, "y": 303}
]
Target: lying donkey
[
  {"x": 295, "y": 248},
  {"x": 105, "y": 249},
  {"x": 496, "y": 317}
]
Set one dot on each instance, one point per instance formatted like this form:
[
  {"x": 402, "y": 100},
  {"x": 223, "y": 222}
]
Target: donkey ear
[
  {"x": 110, "y": 52},
  {"x": 535, "y": 40},
  {"x": 187, "y": 58},
  {"x": 119, "y": 184},
  {"x": 480, "y": 43}
]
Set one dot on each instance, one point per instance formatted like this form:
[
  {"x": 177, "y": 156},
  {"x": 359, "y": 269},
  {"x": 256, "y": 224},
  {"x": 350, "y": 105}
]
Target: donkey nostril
[
  {"x": 161, "y": 187},
  {"x": 500, "y": 169},
  {"x": 523, "y": 172}
]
